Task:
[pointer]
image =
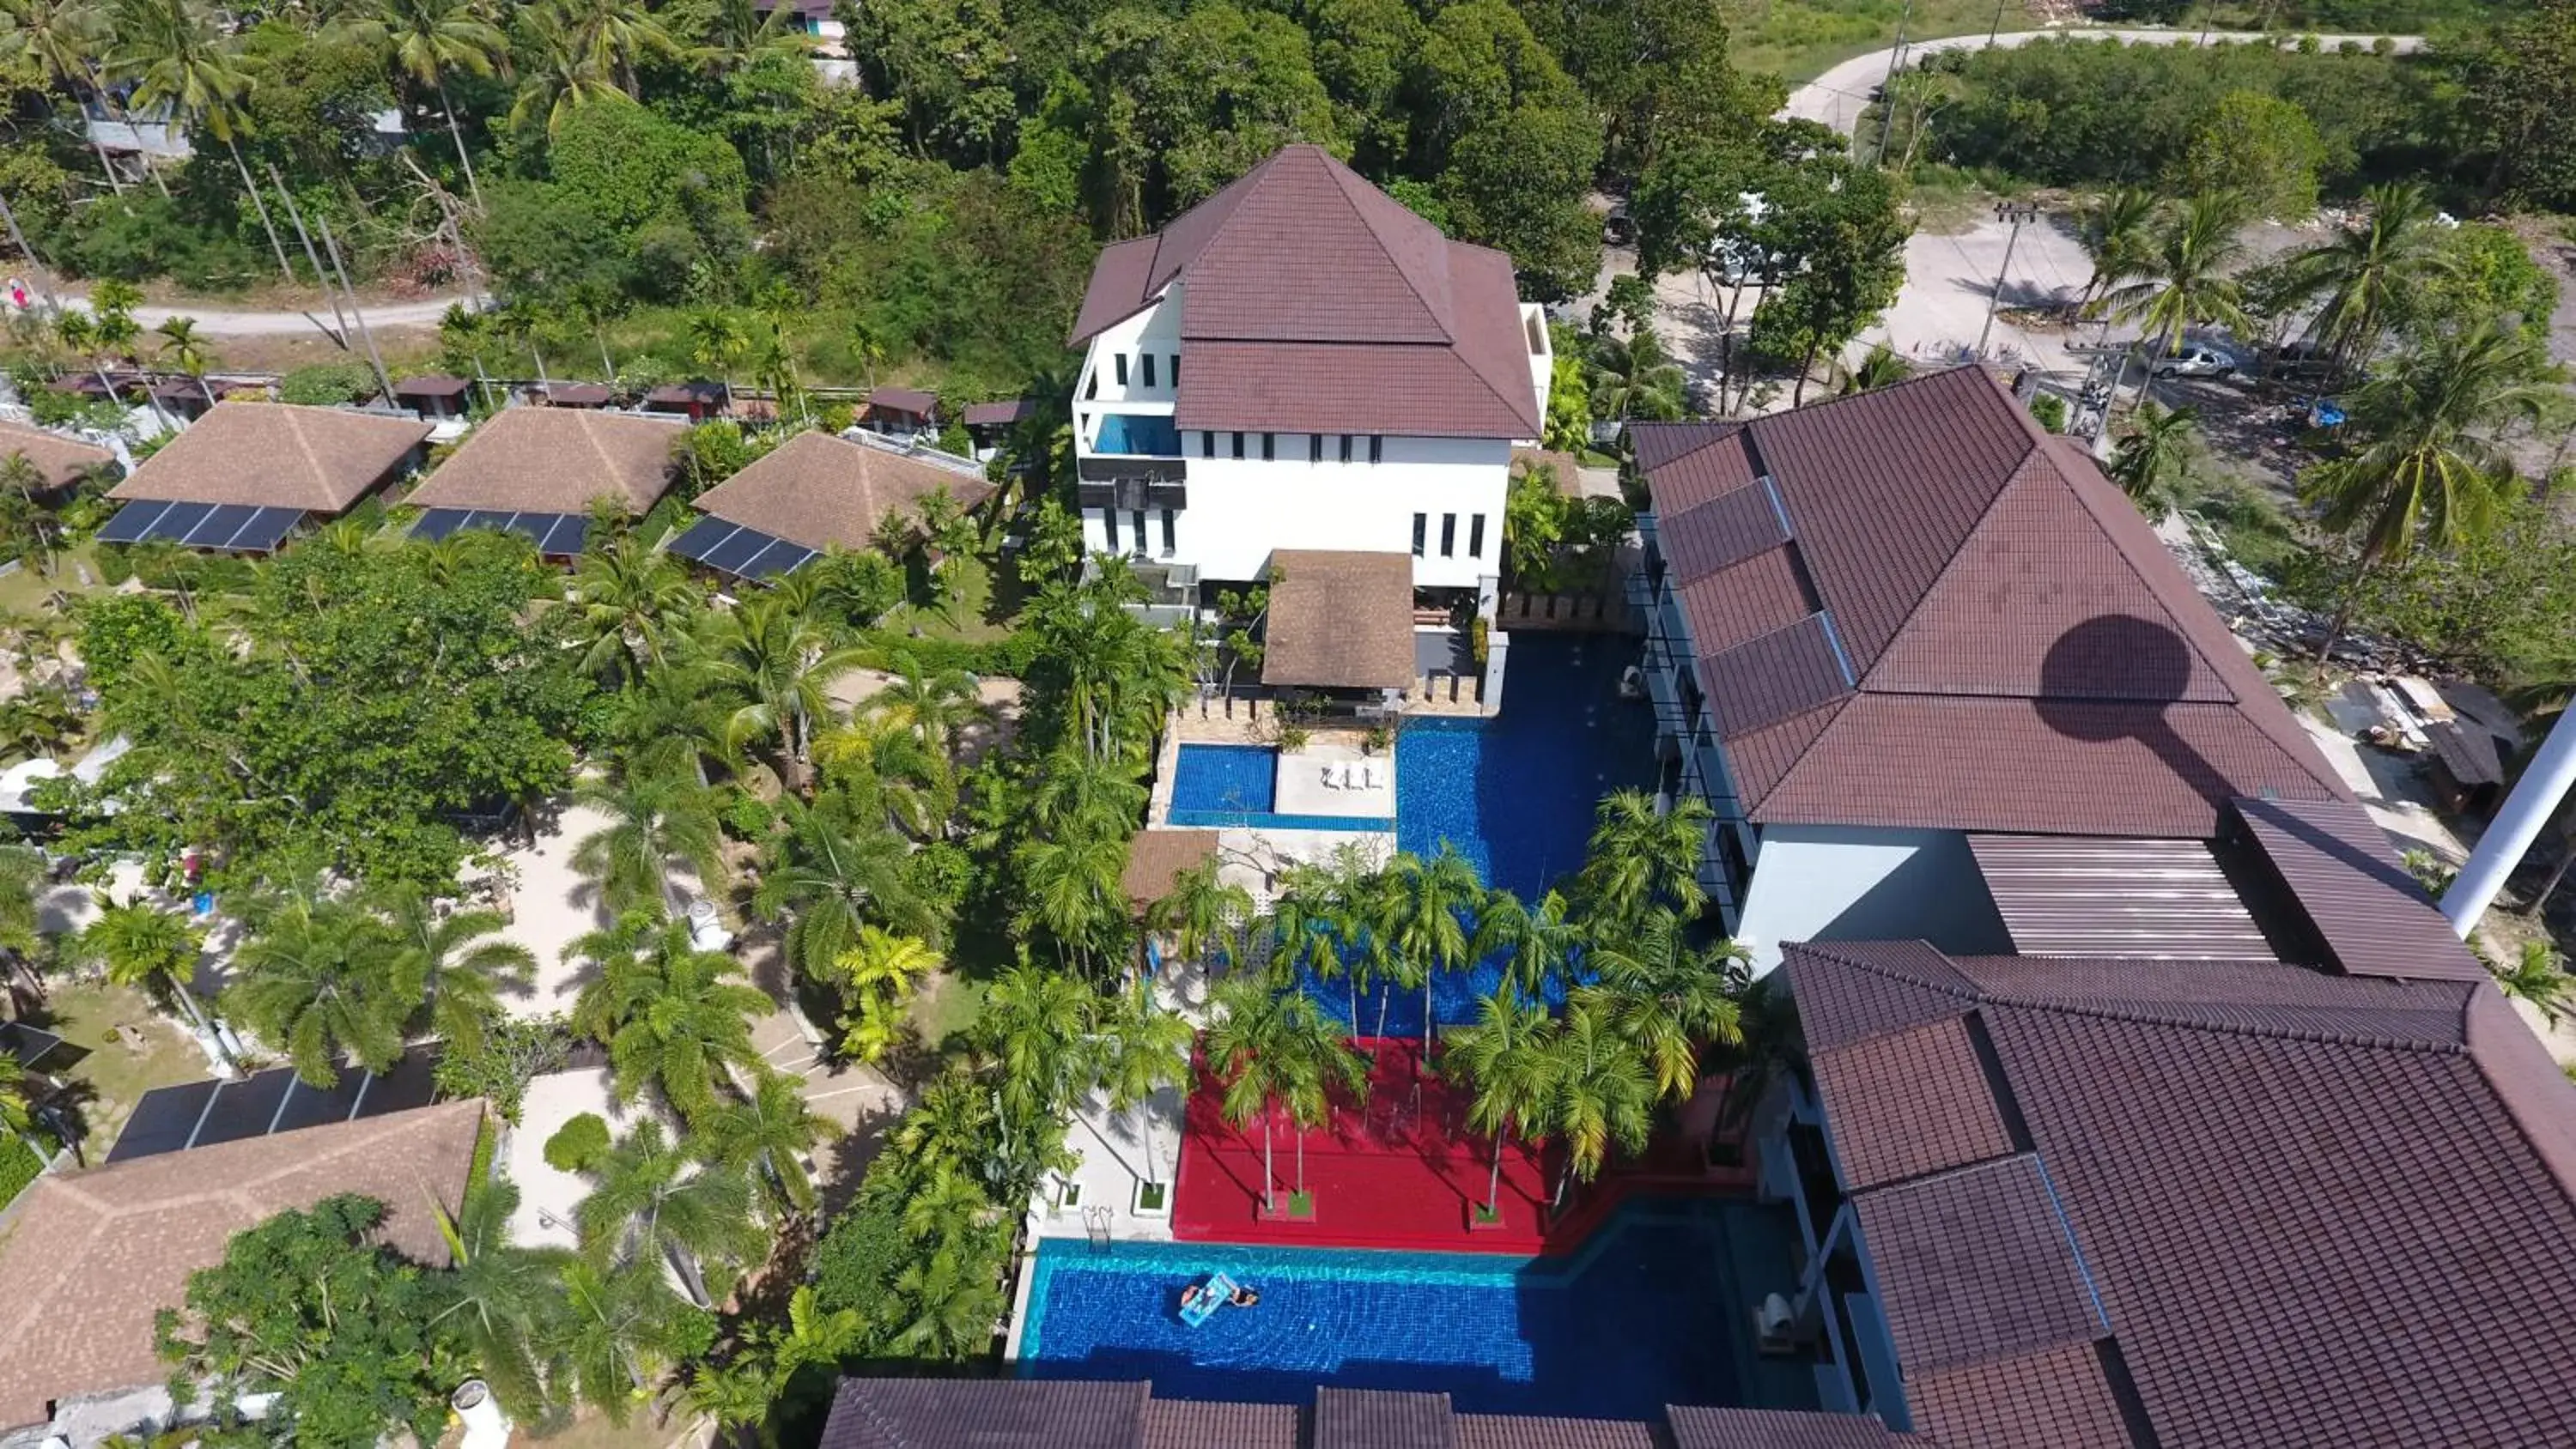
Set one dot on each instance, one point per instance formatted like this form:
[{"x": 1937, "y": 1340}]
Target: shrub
[
  {"x": 512, "y": 1051},
  {"x": 578, "y": 1144},
  {"x": 19, "y": 1165},
  {"x": 327, "y": 384},
  {"x": 2050, "y": 410}
]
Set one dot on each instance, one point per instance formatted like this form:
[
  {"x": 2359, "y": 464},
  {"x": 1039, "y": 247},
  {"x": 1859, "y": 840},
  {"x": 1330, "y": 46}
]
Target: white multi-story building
[{"x": 1301, "y": 363}]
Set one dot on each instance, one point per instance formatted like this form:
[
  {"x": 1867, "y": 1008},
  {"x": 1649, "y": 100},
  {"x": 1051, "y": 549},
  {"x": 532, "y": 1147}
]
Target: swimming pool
[
  {"x": 1500, "y": 1335},
  {"x": 1237, "y": 785}
]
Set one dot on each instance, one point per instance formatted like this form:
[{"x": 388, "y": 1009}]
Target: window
[
  {"x": 1207, "y": 445},
  {"x": 1169, "y": 547},
  {"x": 1346, "y": 447},
  {"x": 1448, "y": 535},
  {"x": 1109, "y": 521},
  {"x": 1138, "y": 518},
  {"x": 1121, "y": 359},
  {"x": 1269, "y": 446},
  {"x": 1476, "y": 536},
  {"x": 1176, "y": 369},
  {"x": 1091, "y": 386},
  {"x": 1421, "y": 521},
  {"x": 1314, "y": 447},
  {"x": 1377, "y": 448},
  {"x": 1238, "y": 445},
  {"x": 1148, "y": 359}
]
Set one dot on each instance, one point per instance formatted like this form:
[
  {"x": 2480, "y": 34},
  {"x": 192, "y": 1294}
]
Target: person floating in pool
[
  {"x": 1243, "y": 1297},
  {"x": 1191, "y": 1297}
]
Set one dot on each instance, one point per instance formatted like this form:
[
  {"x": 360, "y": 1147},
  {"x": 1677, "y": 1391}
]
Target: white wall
[
  {"x": 1542, "y": 360},
  {"x": 1156, "y": 330},
  {"x": 1852, "y": 883}
]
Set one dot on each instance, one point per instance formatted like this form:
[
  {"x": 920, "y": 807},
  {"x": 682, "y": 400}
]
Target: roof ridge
[
  {"x": 315, "y": 479},
  {"x": 1439, "y": 314}
]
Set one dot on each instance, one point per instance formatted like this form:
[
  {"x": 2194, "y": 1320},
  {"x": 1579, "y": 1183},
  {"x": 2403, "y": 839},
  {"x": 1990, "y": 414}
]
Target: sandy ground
[
  {"x": 548, "y": 1197},
  {"x": 551, "y": 905}
]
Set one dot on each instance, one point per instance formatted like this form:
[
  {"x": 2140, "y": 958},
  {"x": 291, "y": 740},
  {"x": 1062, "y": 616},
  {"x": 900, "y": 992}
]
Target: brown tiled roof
[
  {"x": 90, "y": 1257},
  {"x": 1696, "y": 1428},
  {"x": 2264, "y": 1174},
  {"x": 549, "y": 460},
  {"x": 1946, "y": 1120},
  {"x": 1155, "y": 858},
  {"x": 910, "y": 401},
  {"x": 1339, "y": 620},
  {"x": 277, "y": 455},
  {"x": 2348, "y": 880},
  {"x": 1518, "y": 1431},
  {"x": 823, "y": 491},
  {"x": 1383, "y": 1419},
  {"x": 1565, "y": 468},
  {"x": 435, "y": 384},
  {"x": 1313, "y": 302},
  {"x": 62, "y": 460},
  {"x": 1912, "y": 607},
  {"x": 998, "y": 414},
  {"x": 1193, "y": 1424},
  {"x": 984, "y": 1414},
  {"x": 697, "y": 392}
]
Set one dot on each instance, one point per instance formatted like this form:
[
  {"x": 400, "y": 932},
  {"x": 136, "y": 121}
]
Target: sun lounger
[{"x": 1332, "y": 775}]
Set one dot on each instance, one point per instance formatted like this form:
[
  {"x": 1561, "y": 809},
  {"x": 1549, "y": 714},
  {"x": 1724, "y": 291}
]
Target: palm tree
[
  {"x": 1669, "y": 996},
  {"x": 183, "y": 349},
  {"x": 1430, "y": 933},
  {"x": 2186, "y": 277},
  {"x": 16, "y": 1118},
  {"x": 1536, "y": 942},
  {"x": 735, "y": 1395},
  {"x": 560, "y": 77},
  {"x": 654, "y": 823},
  {"x": 425, "y": 39},
  {"x": 617, "y": 1328},
  {"x": 956, "y": 1305},
  {"x": 2367, "y": 271},
  {"x": 612, "y": 35},
  {"x": 2152, "y": 448},
  {"x": 1071, "y": 887},
  {"x": 718, "y": 342},
  {"x": 2538, "y": 975},
  {"x": 881, "y": 972},
  {"x": 1879, "y": 367},
  {"x": 1202, "y": 913},
  {"x": 174, "y": 51},
  {"x": 671, "y": 1015},
  {"x": 768, "y": 1134},
  {"x": 2429, "y": 462},
  {"x": 23, "y": 873},
  {"x": 457, "y": 963},
  {"x": 635, "y": 602},
  {"x": 1075, "y": 792},
  {"x": 141, "y": 945},
  {"x": 1143, "y": 1051},
  {"x": 501, "y": 1300},
  {"x": 2114, "y": 230},
  {"x": 1600, "y": 1093},
  {"x": 944, "y": 1204},
  {"x": 1276, "y": 1050},
  {"x": 1037, "y": 1025},
  {"x": 66, "y": 38},
  {"x": 316, "y": 977},
  {"x": 1640, "y": 858},
  {"x": 653, "y": 1201},
  {"x": 1633, "y": 378},
  {"x": 1505, "y": 1056},
  {"x": 934, "y": 704},
  {"x": 777, "y": 663},
  {"x": 836, "y": 874}
]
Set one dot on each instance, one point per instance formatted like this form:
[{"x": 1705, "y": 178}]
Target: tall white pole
[{"x": 2533, "y": 801}]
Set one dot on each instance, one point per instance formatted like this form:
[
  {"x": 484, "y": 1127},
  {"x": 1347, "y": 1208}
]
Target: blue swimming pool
[
  {"x": 1500, "y": 1335},
  {"x": 1221, "y": 785}
]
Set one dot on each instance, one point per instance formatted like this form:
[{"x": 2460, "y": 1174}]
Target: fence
[{"x": 1604, "y": 612}]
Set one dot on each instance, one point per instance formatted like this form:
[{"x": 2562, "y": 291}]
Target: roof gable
[
  {"x": 276, "y": 455},
  {"x": 1306, "y": 251},
  {"x": 822, "y": 491}
]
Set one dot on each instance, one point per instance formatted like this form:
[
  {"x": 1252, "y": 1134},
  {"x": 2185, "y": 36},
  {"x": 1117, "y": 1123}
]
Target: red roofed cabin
[{"x": 902, "y": 412}]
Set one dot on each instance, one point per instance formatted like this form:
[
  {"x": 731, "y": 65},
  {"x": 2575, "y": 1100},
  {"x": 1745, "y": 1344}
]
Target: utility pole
[
  {"x": 35, "y": 269},
  {"x": 1887, "y": 88},
  {"x": 295, "y": 214},
  {"x": 2534, "y": 800},
  {"x": 1998, "y": 27},
  {"x": 2019, "y": 214},
  {"x": 383, "y": 378}
]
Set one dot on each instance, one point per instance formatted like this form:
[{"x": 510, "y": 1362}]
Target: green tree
[
  {"x": 309, "y": 1307},
  {"x": 1512, "y": 141},
  {"x": 2116, "y": 230},
  {"x": 2154, "y": 447},
  {"x": 141, "y": 945},
  {"x": 558, "y": 79},
  {"x": 2520, "y": 103},
  {"x": 69, "y": 40},
  {"x": 656, "y": 1202},
  {"x": 1276, "y": 1051},
  {"x": 1441, "y": 898},
  {"x": 1633, "y": 378},
  {"x": 879, "y": 974},
  {"x": 622, "y": 1329},
  {"x": 1669, "y": 995},
  {"x": 1037, "y": 1027},
  {"x": 174, "y": 51},
  {"x": 1601, "y": 1093},
  {"x": 501, "y": 1301},
  {"x": 1506, "y": 1056},
  {"x": 775, "y": 662},
  {"x": 768, "y": 1133},
  {"x": 316, "y": 976},
  {"x": 636, "y": 605},
  {"x": 1841, "y": 240},
  {"x": 2259, "y": 147},
  {"x": 1536, "y": 941},
  {"x": 653, "y": 823},
  {"x": 672, "y": 1016},
  {"x": 424, "y": 40},
  {"x": 1640, "y": 860},
  {"x": 2186, "y": 278},
  {"x": 184, "y": 349},
  {"x": 2538, "y": 975},
  {"x": 830, "y": 874},
  {"x": 2366, "y": 272}
]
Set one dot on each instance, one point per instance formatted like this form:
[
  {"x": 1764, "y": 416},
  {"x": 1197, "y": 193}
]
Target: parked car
[{"x": 2196, "y": 359}]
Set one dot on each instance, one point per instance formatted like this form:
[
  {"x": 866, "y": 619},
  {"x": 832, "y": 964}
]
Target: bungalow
[
  {"x": 1340, "y": 623},
  {"x": 697, "y": 399},
  {"x": 990, "y": 423},
  {"x": 1880, "y": 625},
  {"x": 538, "y": 472},
  {"x": 901, "y": 412},
  {"x": 61, "y": 460},
  {"x": 811, "y": 493},
  {"x": 247, "y": 474},
  {"x": 92, "y": 1256},
  {"x": 434, "y": 396},
  {"x": 575, "y": 395}
]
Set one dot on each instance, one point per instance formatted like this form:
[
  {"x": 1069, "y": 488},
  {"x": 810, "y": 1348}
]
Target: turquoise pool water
[
  {"x": 1236, "y": 785},
  {"x": 1653, "y": 1311}
]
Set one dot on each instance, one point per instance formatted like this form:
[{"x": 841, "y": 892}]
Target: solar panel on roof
[
  {"x": 218, "y": 528},
  {"x": 311, "y": 1106},
  {"x": 703, "y": 535},
  {"x": 438, "y": 523},
  {"x": 780, "y": 557},
  {"x": 267, "y": 528},
  {"x": 736, "y": 551},
  {"x": 498, "y": 519},
  {"x": 176, "y": 524},
  {"x": 163, "y": 1121},
  {"x": 410, "y": 1084},
  {"x": 133, "y": 521},
  {"x": 566, "y": 537},
  {"x": 244, "y": 1108}
]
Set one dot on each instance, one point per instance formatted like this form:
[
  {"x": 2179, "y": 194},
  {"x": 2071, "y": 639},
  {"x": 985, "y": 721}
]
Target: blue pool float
[{"x": 1212, "y": 1296}]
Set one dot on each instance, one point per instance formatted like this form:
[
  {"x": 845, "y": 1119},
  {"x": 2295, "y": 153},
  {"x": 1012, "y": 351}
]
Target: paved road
[
  {"x": 215, "y": 322},
  {"x": 1838, "y": 96}
]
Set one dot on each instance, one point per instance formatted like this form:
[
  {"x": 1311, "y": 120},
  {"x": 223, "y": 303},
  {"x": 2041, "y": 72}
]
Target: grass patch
[
  {"x": 19, "y": 1165},
  {"x": 946, "y": 1005},
  {"x": 25, "y": 591},
  {"x": 1801, "y": 39},
  {"x": 110, "y": 1079},
  {"x": 2250, "y": 519}
]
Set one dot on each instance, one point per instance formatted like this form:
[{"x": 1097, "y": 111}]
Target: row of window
[
  {"x": 1136, "y": 520},
  {"x": 1449, "y": 534},
  {"x": 1345, "y": 450},
  {"x": 1145, "y": 365}
]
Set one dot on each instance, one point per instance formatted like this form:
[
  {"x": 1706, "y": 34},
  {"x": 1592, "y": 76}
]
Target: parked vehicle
[{"x": 2196, "y": 359}]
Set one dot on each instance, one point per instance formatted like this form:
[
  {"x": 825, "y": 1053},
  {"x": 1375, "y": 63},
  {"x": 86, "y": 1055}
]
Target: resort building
[
  {"x": 1299, "y": 362},
  {"x": 1888, "y": 628},
  {"x": 815, "y": 492},
  {"x": 60, "y": 460},
  {"x": 248, "y": 474},
  {"x": 538, "y": 472}
]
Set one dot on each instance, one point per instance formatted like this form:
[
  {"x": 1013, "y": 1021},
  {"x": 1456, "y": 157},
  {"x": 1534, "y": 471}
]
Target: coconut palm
[
  {"x": 424, "y": 40},
  {"x": 935, "y": 705},
  {"x": 2185, "y": 278},
  {"x": 1441, "y": 895},
  {"x": 718, "y": 343},
  {"x": 2367, "y": 270},
  {"x": 1669, "y": 995},
  {"x": 944, "y": 1204},
  {"x": 775, "y": 663},
  {"x": 2152, "y": 449},
  {"x": 671, "y": 1015},
  {"x": 2114, "y": 230},
  {"x": 502, "y": 1302},
  {"x": 559, "y": 77},
  {"x": 666, "y": 724},
  {"x": 316, "y": 977},
  {"x": 1537, "y": 943},
  {"x": 1071, "y": 886},
  {"x": 635, "y": 605},
  {"x": 67, "y": 38},
  {"x": 1640, "y": 859},
  {"x": 1879, "y": 367},
  {"x": 615, "y": 1337},
  {"x": 1037, "y": 1025},
  {"x": 1633, "y": 378},
  {"x": 183, "y": 349},
  {"x": 1601, "y": 1093},
  {"x": 176, "y": 52},
  {"x": 654, "y": 1201},
  {"x": 1505, "y": 1056},
  {"x": 1276, "y": 1051},
  {"x": 2538, "y": 975},
  {"x": 655, "y": 823},
  {"x": 457, "y": 963},
  {"x": 768, "y": 1133},
  {"x": 1202, "y": 913},
  {"x": 830, "y": 874},
  {"x": 2428, "y": 463},
  {"x": 139, "y": 944},
  {"x": 611, "y": 36}
]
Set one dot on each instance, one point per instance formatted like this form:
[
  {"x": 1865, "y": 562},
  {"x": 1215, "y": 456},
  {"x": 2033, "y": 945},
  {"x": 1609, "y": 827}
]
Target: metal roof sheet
[{"x": 2079, "y": 896}]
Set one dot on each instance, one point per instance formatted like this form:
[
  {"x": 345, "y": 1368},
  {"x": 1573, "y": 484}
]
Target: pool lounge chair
[{"x": 1331, "y": 776}]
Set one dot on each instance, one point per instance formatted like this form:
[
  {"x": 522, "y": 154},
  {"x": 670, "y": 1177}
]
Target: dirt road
[{"x": 216, "y": 322}]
